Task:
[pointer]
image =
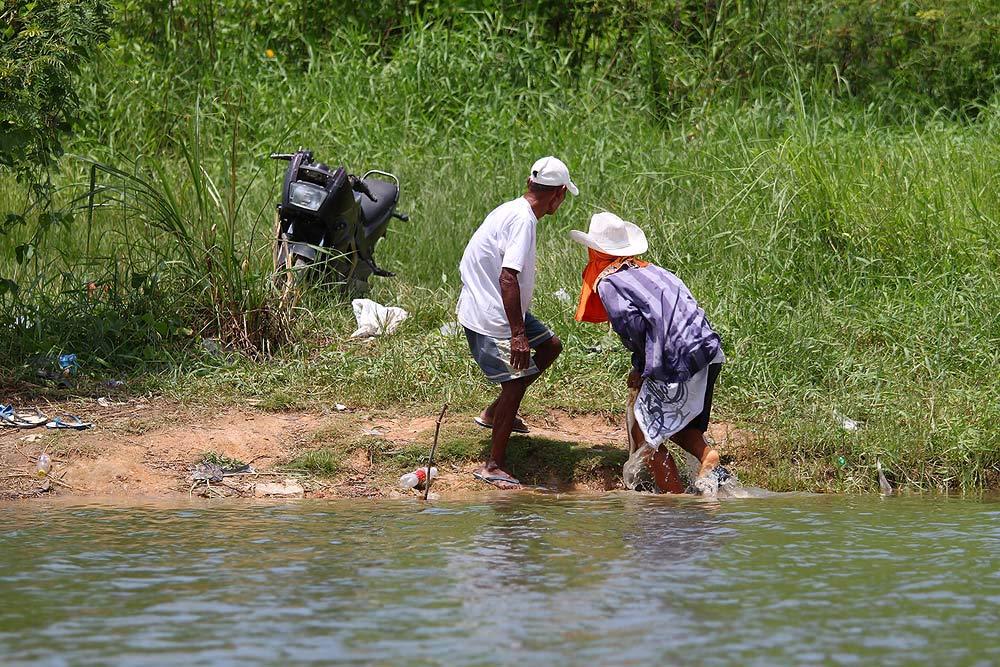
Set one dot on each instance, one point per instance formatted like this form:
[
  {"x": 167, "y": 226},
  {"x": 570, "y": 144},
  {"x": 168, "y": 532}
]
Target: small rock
[{"x": 286, "y": 489}]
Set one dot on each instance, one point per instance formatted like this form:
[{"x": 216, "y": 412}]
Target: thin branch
[{"x": 430, "y": 459}]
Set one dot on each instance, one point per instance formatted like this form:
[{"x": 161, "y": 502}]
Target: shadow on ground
[{"x": 559, "y": 464}]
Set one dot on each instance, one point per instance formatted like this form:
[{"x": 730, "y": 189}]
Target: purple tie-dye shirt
[{"x": 659, "y": 321}]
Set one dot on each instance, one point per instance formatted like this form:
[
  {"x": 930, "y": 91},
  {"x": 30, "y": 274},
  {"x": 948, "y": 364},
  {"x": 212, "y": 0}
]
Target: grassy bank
[{"x": 850, "y": 264}]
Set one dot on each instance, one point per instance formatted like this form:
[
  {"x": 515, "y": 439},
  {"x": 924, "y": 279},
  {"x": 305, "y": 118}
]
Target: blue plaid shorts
[{"x": 493, "y": 354}]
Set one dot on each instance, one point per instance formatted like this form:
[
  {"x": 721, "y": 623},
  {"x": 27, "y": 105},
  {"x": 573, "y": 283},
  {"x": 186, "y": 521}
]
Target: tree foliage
[
  {"x": 44, "y": 43},
  {"x": 898, "y": 55}
]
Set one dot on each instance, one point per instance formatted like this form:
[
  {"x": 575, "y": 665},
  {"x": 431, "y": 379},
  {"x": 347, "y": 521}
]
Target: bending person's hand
[{"x": 634, "y": 380}]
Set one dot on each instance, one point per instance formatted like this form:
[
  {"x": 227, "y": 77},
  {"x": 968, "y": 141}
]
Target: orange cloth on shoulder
[{"x": 590, "y": 308}]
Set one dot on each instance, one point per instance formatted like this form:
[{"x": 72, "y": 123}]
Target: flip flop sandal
[
  {"x": 11, "y": 419},
  {"x": 519, "y": 426},
  {"x": 68, "y": 421},
  {"x": 7, "y": 415},
  {"x": 30, "y": 420},
  {"x": 493, "y": 479}
]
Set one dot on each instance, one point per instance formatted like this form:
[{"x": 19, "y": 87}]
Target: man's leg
[
  {"x": 545, "y": 355},
  {"x": 692, "y": 437},
  {"x": 504, "y": 409},
  {"x": 665, "y": 471}
]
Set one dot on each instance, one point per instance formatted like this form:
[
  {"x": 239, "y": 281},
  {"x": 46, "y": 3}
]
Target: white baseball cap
[
  {"x": 613, "y": 236},
  {"x": 552, "y": 171}
]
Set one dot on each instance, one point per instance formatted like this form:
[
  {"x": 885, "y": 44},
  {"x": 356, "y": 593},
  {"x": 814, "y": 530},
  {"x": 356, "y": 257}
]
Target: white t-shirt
[{"x": 505, "y": 239}]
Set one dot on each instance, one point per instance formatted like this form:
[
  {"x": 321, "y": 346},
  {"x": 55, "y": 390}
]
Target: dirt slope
[{"x": 149, "y": 448}]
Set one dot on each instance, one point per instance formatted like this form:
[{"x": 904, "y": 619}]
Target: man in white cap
[
  {"x": 498, "y": 280},
  {"x": 676, "y": 355}
]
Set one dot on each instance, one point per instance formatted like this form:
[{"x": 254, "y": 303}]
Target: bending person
[{"x": 676, "y": 356}]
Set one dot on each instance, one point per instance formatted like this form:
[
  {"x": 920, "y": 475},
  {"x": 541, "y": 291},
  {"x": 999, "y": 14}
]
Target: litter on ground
[{"x": 374, "y": 319}]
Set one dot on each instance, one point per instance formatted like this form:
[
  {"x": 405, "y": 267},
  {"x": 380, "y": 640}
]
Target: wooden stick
[
  {"x": 430, "y": 459},
  {"x": 62, "y": 483},
  {"x": 48, "y": 477}
]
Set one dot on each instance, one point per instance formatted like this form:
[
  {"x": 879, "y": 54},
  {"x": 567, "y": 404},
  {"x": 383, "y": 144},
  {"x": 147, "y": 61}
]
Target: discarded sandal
[
  {"x": 29, "y": 420},
  {"x": 12, "y": 418},
  {"x": 68, "y": 421},
  {"x": 493, "y": 479},
  {"x": 7, "y": 416},
  {"x": 519, "y": 426}
]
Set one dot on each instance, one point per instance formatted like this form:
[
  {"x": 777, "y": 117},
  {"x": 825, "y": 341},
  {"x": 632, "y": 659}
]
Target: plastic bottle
[
  {"x": 414, "y": 479},
  {"x": 44, "y": 464}
]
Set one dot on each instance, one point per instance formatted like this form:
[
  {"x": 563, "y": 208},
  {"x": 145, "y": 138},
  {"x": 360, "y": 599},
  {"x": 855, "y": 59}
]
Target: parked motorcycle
[{"x": 329, "y": 221}]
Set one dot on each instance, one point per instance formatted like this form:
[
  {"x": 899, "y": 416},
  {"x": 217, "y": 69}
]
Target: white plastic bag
[{"x": 375, "y": 319}]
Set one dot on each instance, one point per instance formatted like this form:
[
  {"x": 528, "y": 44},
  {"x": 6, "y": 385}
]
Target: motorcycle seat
[{"x": 375, "y": 212}]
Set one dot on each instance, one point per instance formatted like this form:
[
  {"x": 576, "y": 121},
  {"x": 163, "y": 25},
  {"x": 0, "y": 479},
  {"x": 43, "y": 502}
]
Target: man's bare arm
[{"x": 510, "y": 292}]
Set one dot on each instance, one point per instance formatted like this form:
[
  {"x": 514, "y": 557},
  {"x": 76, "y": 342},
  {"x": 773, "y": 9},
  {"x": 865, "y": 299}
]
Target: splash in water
[{"x": 718, "y": 482}]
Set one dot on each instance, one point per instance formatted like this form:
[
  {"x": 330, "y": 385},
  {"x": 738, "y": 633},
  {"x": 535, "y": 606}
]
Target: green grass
[
  {"x": 324, "y": 462},
  {"x": 221, "y": 460},
  {"x": 850, "y": 265}
]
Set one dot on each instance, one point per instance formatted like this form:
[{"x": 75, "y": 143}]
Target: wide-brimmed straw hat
[{"x": 611, "y": 235}]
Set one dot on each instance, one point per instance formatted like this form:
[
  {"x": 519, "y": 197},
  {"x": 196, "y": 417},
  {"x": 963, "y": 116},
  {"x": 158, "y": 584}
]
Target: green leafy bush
[{"x": 43, "y": 46}]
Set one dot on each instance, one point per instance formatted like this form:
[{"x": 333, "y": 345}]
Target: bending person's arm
[{"x": 510, "y": 293}]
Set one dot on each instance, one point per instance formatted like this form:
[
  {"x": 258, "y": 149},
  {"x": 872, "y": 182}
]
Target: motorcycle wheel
[{"x": 288, "y": 267}]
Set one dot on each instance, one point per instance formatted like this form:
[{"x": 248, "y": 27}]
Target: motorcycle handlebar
[
  {"x": 357, "y": 184},
  {"x": 360, "y": 186}
]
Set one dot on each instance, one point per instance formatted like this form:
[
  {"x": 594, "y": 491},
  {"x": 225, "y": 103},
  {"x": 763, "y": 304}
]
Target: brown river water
[{"x": 506, "y": 579}]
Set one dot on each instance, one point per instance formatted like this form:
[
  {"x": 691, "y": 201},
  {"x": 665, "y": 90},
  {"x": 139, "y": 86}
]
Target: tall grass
[
  {"x": 850, "y": 266},
  {"x": 162, "y": 255}
]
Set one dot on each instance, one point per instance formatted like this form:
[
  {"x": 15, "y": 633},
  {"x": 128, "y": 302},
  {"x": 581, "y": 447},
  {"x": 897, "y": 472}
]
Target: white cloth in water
[
  {"x": 375, "y": 319},
  {"x": 662, "y": 409}
]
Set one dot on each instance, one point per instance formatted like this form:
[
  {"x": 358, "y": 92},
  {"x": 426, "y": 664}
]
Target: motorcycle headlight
[{"x": 306, "y": 195}]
